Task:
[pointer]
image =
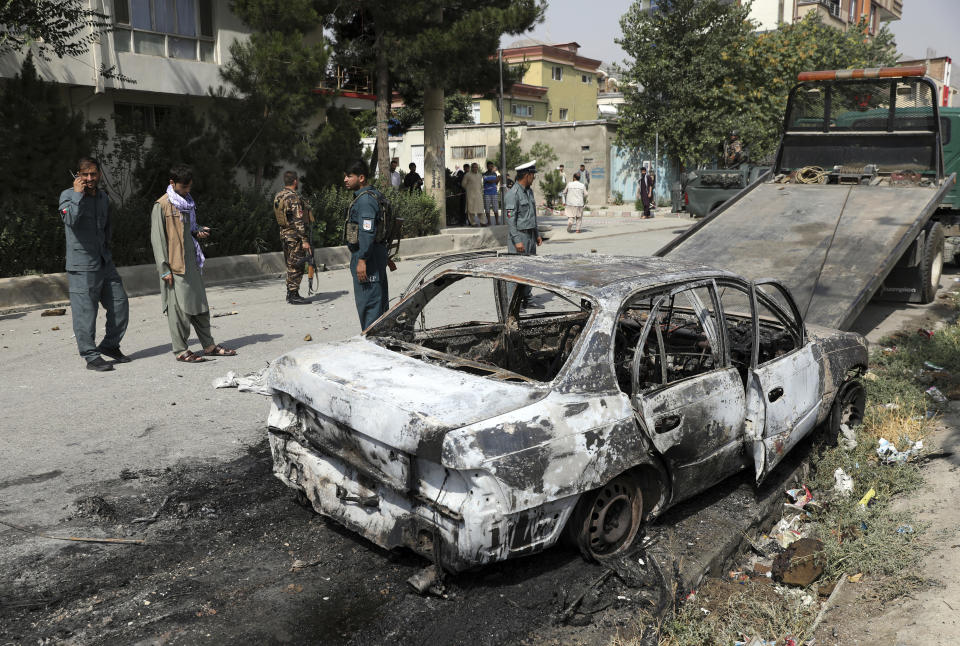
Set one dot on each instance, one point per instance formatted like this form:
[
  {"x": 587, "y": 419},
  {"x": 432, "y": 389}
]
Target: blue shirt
[{"x": 490, "y": 183}]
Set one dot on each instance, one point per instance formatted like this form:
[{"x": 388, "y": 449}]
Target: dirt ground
[{"x": 928, "y": 615}]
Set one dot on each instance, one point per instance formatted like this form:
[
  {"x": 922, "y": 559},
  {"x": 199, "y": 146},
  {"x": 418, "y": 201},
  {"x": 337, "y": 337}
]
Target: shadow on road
[{"x": 236, "y": 343}]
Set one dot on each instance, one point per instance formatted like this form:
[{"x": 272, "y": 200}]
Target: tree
[
  {"x": 680, "y": 85},
  {"x": 424, "y": 49},
  {"x": 456, "y": 109},
  {"x": 700, "y": 70},
  {"x": 64, "y": 27},
  {"x": 42, "y": 141},
  {"x": 273, "y": 77},
  {"x": 514, "y": 153},
  {"x": 337, "y": 143}
]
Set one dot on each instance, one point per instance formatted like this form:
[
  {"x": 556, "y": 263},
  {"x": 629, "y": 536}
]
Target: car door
[
  {"x": 784, "y": 390},
  {"x": 688, "y": 397}
]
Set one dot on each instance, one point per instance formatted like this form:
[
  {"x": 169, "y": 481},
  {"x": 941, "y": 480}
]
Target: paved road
[{"x": 62, "y": 426}]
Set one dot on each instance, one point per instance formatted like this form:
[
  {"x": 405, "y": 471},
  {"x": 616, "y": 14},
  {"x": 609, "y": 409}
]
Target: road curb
[{"x": 24, "y": 293}]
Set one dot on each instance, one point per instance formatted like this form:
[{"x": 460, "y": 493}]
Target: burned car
[{"x": 508, "y": 401}]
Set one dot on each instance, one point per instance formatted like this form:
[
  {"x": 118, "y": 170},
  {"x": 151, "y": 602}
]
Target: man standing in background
[
  {"x": 293, "y": 216},
  {"x": 91, "y": 275},
  {"x": 520, "y": 209},
  {"x": 395, "y": 180},
  {"x": 490, "y": 181},
  {"x": 175, "y": 236},
  {"x": 472, "y": 183},
  {"x": 585, "y": 176},
  {"x": 574, "y": 197}
]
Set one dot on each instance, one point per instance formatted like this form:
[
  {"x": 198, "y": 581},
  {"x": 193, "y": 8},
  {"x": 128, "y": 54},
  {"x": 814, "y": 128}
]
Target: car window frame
[
  {"x": 798, "y": 325},
  {"x": 722, "y": 359}
]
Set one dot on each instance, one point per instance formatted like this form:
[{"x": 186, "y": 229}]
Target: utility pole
[
  {"x": 434, "y": 154},
  {"x": 503, "y": 137}
]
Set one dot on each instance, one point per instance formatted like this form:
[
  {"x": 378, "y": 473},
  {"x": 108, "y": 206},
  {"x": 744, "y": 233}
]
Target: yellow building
[{"x": 558, "y": 85}]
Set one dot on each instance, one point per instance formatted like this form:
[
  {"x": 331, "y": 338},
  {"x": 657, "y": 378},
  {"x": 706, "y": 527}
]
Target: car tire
[
  {"x": 931, "y": 267},
  {"x": 848, "y": 410},
  {"x": 606, "y": 520}
]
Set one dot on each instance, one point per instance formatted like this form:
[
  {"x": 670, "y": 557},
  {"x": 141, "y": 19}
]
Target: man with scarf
[{"x": 176, "y": 248}]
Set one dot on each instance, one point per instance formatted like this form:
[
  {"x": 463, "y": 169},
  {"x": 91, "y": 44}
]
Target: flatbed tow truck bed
[
  {"x": 832, "y": 245},
  {"x": 849, "y": 210}
]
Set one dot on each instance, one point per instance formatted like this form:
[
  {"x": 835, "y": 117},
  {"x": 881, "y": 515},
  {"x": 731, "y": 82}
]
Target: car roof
[{"x": 588, "y": 273}]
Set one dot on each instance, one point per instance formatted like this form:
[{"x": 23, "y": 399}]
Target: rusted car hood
[{"x": 398, "y": 400}]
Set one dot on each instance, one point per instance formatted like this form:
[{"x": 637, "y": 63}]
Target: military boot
[{"x": 294, "y": 298}]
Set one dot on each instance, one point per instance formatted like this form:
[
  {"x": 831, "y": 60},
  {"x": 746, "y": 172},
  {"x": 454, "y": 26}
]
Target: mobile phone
[{"x": 73, "y": 175}]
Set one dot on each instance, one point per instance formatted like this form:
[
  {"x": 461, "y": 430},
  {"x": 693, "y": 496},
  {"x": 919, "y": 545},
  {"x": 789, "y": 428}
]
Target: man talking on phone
[{"x": 91, "y": 274}]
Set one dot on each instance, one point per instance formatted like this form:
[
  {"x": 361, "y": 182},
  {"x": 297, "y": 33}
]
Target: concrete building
[
  {"x": 837, "y": 13},
  {"x": 558, "y": 85},
  {"x": 940, "y": 70},
  {"x": 161, "y": 53}
]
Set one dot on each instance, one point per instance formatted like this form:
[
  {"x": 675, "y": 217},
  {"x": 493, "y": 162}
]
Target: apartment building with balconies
[{"x": 837, "y": 13}]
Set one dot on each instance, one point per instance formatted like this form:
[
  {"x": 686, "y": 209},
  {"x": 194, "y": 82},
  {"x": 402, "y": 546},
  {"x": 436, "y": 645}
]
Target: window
[
  {"x": 475, "y": 111},
  {"x": 173, "y": 28},
  {"x": 584, "y": 78},
  {"x": 147, "y": 117},
  {"x": 556, "y": 73},
  {"x": 563, "y": 114},
  {"x": 584, "y": 149},
  {"x": 469, "y": 152},
  {"x": 521, "y": 110},
  {"x": 680, "y": 339},
  {"x": 945, "y": 130}
]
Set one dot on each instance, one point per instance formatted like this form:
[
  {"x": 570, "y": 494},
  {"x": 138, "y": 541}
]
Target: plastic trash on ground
[
  {"x": 800, "y": 497},
  {"x": 934, "y": 393},
  {"x": 787, "y": 531},
  {"x": 867, "y": 497},
  {"x": 889, "y": 454},
  {"x": 254, "y": 382},
  {"x": 843, "y": 483}
]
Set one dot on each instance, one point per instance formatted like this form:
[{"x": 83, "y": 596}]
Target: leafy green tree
[
  {"x": 337, "y": 143},
  {"x": 545, "y": 155},
  {"x": 700, "y": 70},
  {"x": 686, "y": 56},
  {"x": 272, "y": 77},
  {"x": 514, "y": 152},
  {"x": 63, "y": 27}
]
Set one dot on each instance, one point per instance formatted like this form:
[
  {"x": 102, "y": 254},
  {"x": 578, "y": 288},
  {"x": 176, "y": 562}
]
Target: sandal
[
  {"x": 190, "y": 357},
  {"x": 220, "y": 351}
]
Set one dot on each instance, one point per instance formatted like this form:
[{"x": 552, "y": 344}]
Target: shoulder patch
[{"x": 368, "y": 225}]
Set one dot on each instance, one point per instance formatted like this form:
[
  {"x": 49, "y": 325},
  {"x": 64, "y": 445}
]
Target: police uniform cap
[{"x": 529, "y": 167}]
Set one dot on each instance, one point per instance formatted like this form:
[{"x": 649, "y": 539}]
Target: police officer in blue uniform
[
  {"x": 368, "y": 258},
  {"x": 521, "y": 212}
]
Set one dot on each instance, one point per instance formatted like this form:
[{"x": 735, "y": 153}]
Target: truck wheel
[
  {"x": 931, "y": 267},
  {"x": 606, "y": 520}
]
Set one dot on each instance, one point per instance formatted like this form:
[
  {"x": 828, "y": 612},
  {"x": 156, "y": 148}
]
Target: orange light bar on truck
[{"x": 869, "y": 73}]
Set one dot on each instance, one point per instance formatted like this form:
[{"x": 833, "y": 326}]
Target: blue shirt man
[{"x": 491, "y": 179}]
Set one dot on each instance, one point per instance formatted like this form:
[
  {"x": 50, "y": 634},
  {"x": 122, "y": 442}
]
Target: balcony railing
[{"x": 347, "y": 79}]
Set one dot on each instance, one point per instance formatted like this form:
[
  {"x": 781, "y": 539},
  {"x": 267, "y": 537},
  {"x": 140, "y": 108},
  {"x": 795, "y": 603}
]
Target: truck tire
[{"x": 931, "y": 264}]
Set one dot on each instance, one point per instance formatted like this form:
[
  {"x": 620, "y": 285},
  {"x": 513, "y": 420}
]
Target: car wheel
[
  {"x": 847, "y": 412},
  {"x": 606, "y": 520}
]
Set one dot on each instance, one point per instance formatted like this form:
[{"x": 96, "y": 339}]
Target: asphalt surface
[{"x": 85, "y": 454}]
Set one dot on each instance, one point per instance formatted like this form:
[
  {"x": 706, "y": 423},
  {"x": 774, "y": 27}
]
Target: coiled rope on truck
[{"x": 812, "y": 175}]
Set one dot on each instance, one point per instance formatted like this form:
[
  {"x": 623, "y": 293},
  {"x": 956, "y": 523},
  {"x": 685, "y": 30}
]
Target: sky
[{"x": 596, "y": 23}]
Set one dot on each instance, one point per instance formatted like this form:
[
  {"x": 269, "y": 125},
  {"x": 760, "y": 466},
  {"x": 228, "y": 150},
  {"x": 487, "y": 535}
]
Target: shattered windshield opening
[{"x": 489, "y": 327}]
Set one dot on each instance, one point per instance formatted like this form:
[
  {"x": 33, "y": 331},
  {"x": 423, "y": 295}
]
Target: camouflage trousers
[{"x": 293, "y": 255}]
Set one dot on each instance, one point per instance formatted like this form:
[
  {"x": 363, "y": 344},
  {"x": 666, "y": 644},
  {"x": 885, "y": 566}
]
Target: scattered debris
[
  {"x": 429, "y": 580},
  {"x": 800, "y": 497},
  {"x": 308, "y": 338},
  {"x": 932, "y": 366},
  {"x": 843, "y": 483},
  {"x": 801, "y": 564},
  {"x": 153, "y": 517},
  {"x": 934, "y": 393},
  {"x": 219, "y": 314},
  {"x": 787, "y": 531},
  {"x": 55, "y": 328},
  {"x": 94, "y": 507},
  {"x": 890, "y": 455},
  {"x": 302, "y": 565},
  {"x": 253, "y": 382},
  {"x": 927, "y": 334},
  {"x": 834, "y": 592},
  {"x": 127, "y": 474},
  {"x": 905, "y": 529},
  {"x": 848, "y": 437},
  {"x": 57, "y": 311},
  {"x": 867, "y": 498},
  {"x": 856, "y": 577}
]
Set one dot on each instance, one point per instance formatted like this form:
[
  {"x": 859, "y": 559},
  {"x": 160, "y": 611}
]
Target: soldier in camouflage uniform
[{"x": 294, "y": 218}]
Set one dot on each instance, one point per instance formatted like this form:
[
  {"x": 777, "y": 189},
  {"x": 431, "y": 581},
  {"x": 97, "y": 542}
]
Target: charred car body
[{"x": 479, "y": 436}]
